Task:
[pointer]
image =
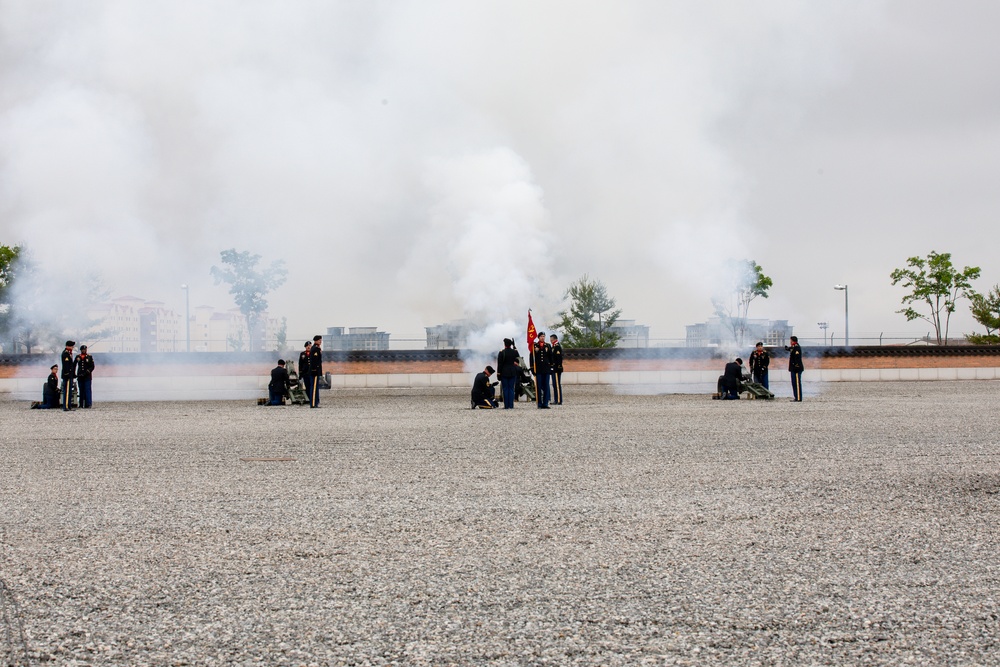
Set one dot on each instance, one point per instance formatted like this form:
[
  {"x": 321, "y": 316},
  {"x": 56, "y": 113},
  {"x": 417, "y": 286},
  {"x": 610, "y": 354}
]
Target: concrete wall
[
  {"x": 234, "y": 387},
  {"x": 245, "y": 376}
]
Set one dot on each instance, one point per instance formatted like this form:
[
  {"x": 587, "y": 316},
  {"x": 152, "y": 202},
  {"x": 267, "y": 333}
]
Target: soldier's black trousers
[{"x": 557, "y": 388}]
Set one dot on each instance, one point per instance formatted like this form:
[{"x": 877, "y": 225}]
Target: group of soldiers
[
  {"x": 310, "y": 370},
  {"x": 516, "y": 380},
  {"x": 77, "y": 375},
  {"x": 546, "y": 369},
  {"x": 732, "y": 381}
]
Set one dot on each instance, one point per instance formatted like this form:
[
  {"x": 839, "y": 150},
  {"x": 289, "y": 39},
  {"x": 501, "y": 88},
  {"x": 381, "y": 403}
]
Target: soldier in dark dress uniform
[
  {"x": 315, "y": 369},
  {"x": 541, "y": 364},
  {"x": 484, "y": 391},
  {"x": 279, "y": 385},
  {"x": 50, "y": 391},
  {"x": 305, "y": 374},
  {"x": 557, "y": 369},
  {"x": 510, "y": 371},
  {"x": 730, "y": 381},
  {"x": 84, "y": 376},
  {"x": 67, "y": 375},
  {"x": 795, "y": 367},
  {"x": 759, "y": 361}
]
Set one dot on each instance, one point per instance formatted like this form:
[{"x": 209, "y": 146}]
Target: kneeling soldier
[{"x": 483, "y": 391}]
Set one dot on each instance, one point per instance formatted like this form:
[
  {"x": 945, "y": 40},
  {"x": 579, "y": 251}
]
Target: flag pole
[{"x": 532, "y": 334}]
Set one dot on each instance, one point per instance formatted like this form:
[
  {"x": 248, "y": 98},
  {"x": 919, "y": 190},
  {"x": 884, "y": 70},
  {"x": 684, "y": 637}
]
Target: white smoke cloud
[
  {"x": 487, "y": 240},
  {"x": 78, "y": 170},
  {"x": 483, "y": 344},
  {"x": 412, "y": 162},
  {"x": 486, "y": 251}
]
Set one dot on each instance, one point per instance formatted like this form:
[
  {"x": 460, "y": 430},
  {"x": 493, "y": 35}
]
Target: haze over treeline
[{"x": 417, "y": 162}]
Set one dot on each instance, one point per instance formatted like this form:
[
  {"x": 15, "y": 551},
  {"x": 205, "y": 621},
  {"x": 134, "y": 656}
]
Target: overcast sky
[{"x": 418, "y": 162}]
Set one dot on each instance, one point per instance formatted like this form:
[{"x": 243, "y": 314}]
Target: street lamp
[
  {"x": 823, "y": 326},
  {"x": 847, "y": 332},
  {"x": 187, "y": 315}
]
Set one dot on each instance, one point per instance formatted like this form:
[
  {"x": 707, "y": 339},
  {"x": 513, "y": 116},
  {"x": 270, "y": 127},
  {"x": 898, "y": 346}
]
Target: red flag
[{"x": 532, "y": 333}]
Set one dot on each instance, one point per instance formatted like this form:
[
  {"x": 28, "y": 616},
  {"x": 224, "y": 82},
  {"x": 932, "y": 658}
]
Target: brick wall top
[
  {"x": 388, "y": 362},
  {"x": 696, "y": 354}
]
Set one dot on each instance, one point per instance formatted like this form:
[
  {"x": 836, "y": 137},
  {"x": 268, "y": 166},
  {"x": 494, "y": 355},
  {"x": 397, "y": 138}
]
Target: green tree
[
  {"x": 36, "y": 312},
  {"x": 27, "y": 322},
  {"x": 986, "y": 310},
  {"x": 743, "y": 281},
  {"x": 8, "y": 261},
  {"x": 8, "y": 271},
  {"x": 591, "y": 314},
  {"x": 934, "y": 282},
  {"x": 248, "y": 284}
]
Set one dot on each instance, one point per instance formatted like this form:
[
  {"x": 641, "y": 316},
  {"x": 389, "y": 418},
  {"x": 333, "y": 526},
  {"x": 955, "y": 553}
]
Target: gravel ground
[{"x": 858, "y": 527}]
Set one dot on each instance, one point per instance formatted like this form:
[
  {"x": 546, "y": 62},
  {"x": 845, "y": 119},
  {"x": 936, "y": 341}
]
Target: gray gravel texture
[{"x": 858, "y": 527}]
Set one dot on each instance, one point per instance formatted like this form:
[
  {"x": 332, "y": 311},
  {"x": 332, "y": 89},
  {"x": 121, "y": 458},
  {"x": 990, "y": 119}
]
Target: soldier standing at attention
[
  {"x": 84, "y": 375},
  {"x": 541, "y": 361},
  {"x": 305, "y": 377},
  {"x": 557, "y": 370},
  {"x": 510, "y": 371},
  {"x": 67, "y": 375},
  {"x": 795, "y": 367},
  {"x": 315, "y": 369},
  {"x": 759, "y": 361}
]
